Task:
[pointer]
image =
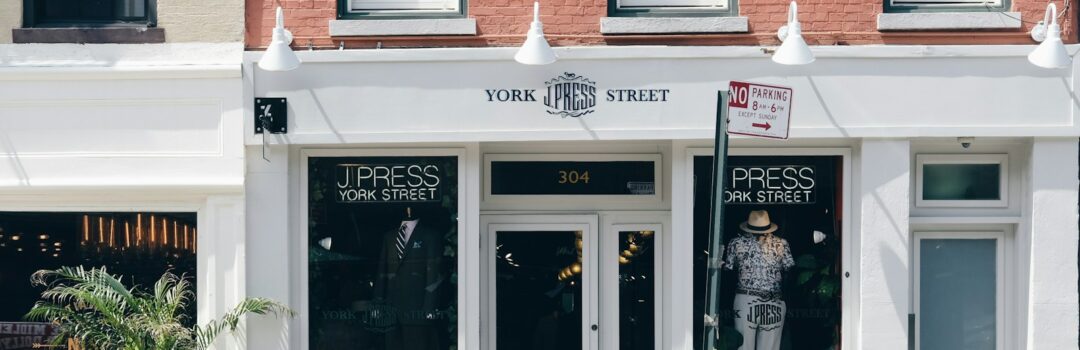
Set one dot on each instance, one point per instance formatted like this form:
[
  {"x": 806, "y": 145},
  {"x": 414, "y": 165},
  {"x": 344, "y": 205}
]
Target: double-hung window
[{"x": 945, "y": 5}]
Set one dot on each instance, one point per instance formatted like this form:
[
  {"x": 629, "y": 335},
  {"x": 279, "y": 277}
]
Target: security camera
[{"x": 965, "y": 141}]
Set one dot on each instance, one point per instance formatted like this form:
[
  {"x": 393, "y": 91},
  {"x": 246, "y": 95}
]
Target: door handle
[{"x": 595, "y": 327}]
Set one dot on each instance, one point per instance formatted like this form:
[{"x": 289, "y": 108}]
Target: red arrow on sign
[{"x": 765, "y": 126}]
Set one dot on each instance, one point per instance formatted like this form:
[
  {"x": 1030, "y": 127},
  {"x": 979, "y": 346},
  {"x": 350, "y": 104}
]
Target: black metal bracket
[{"x": 271, "y": 114}]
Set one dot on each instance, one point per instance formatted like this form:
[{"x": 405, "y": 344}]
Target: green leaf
[
  {"x": 806, "y": 261},
  {"x": 805, "y": 276}
]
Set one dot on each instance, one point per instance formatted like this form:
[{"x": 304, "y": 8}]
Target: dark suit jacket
[{"x": 411, "y": 284}]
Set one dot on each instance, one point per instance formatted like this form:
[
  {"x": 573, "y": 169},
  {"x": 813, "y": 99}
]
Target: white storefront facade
[
  {"x": 97, "y": 138},
  {"x": 888, "y": 132}
]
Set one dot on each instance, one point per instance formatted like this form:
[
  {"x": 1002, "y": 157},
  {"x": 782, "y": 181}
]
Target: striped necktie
[{"x": 401, "y": 241}]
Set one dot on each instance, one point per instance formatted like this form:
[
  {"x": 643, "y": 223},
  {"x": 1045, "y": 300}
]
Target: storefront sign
[
  {"x": 773, "y": 184},
  {"x": 572, "y": 95},
  {"x": 25, "y": 335},
  {"x": 573, "y": 178},
  {"x": 375, "y": 183},
  {"x": 759, "y": 110}
]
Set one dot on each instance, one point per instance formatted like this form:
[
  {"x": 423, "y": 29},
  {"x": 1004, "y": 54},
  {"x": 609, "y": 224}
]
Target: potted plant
[{"x": 97, "y": 311}]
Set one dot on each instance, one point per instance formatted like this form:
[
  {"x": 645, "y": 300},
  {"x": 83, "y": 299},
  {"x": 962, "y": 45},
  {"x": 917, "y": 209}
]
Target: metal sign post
[{"x": 716, "y": 227}]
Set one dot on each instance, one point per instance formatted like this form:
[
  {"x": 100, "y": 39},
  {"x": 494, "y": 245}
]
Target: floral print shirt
[{"x": 757, "y": 272}]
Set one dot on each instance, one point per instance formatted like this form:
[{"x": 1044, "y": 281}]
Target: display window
[
  {"x": 781, "y": 281},
  {"x": 139, "y": 247},
  {"x": 382, "y": 252}
]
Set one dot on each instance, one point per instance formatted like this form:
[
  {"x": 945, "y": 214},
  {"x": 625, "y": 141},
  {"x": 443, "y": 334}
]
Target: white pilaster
[
  {"x": 221, "y": 254},
  {"x": 267, "y": 187},
  {"x": 884, "y": 188},
  {"x": 1052, "y": 306}
]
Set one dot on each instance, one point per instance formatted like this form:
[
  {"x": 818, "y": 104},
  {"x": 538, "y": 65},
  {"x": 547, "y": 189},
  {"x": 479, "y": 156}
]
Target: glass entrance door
[{"x": 541, "y": 282}]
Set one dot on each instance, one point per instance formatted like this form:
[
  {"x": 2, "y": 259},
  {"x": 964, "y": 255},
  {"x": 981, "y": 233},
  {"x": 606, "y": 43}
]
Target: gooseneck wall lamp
[
  {"x": 535, "y": 50},
  {"x": 1051, "y": 51},
  {"x": 793, "y": 50},
  {"x": 279, "y": 57}
]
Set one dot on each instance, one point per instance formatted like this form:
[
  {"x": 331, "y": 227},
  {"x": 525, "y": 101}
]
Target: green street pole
[{"x": 711, "y": 333}]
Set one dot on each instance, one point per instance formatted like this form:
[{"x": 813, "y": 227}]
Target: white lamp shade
[
  {"x": 535, "y": 50},
  {"x": 794, "y": 50},
  {"x": 1051, "y": 52},
  {"x": 279, "y": 56}
]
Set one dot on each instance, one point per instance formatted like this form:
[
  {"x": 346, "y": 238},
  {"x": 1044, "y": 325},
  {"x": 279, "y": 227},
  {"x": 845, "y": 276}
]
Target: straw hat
[{"x": 758, "y": 222}]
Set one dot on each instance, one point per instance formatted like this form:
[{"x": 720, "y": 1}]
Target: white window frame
[
  {"x": 555, "y": 200},
  {"x": 388, "y": 7},
  {"x": 685, "y": 5},
  {"x": 1000, "y": 282},
  {"x": 1002, "y": 160},
  {"x": 468, "y": 296}
]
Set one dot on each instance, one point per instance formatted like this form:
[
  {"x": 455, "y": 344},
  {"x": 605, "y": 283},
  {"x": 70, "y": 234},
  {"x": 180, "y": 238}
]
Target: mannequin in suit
[{"x": 408, "y": 279}]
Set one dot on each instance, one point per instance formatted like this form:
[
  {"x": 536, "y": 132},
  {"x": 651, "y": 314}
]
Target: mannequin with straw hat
[{"x": 760, "y": 259}]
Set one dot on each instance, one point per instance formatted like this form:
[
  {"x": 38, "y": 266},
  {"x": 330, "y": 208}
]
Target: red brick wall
[{"x": 577, "y": 22}]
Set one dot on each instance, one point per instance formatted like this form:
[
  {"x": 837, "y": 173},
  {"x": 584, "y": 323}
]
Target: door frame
[{"x": 587, "y": 223}]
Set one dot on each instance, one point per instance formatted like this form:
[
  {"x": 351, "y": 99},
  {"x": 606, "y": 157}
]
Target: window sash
[
  {"x": 403, "y": 5},
  {"x": 946, "y": 3},
  {"x": 673, "y": 4}
]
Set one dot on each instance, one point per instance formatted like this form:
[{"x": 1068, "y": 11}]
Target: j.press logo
[
  {"x": 570, "y": 95},
  {"x": 573, "y": 95}
]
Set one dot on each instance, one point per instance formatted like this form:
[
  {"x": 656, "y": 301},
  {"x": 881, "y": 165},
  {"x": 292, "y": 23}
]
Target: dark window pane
[
  {"x": 138, "y": 246},
  {"x": 637, "y": 290},
  {"x": 538, "y": 290},
  {"x": 961, "y": 182},
  {"x": 91, "y": 11},
  {"x": 372, "y": 284}
]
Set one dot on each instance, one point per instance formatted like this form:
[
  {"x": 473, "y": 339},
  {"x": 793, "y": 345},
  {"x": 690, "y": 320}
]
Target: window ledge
[
  {"x": 101, "y": 35},
  {"x": 672, "y": 25},
  {"x": 948, "y": 21},
  {"x": 380, "y": 27}
]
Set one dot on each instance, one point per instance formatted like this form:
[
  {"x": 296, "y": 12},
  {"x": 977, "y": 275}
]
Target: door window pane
[
  {"x": 958, "y": 294},
  {"x": 538, "y": 290},
  {"x": 961, "y": 182},
  {"x": 382, "y": 252},
  {"x": 637, "y": 292}
]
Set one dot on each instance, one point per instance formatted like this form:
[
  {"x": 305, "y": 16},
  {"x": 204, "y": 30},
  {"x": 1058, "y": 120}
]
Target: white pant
[{"x": 760, "y": 321}]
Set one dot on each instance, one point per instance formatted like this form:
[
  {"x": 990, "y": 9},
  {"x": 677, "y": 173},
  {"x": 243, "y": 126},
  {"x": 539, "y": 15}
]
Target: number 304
[{"x": 573, "y": 177}]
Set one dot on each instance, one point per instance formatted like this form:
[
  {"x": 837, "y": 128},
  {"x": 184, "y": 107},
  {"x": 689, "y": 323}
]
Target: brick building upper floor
[{"x": 324, "y": 24}]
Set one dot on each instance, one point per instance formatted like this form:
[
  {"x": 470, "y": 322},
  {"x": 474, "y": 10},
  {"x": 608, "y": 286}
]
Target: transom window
[{"x": 961, "y": 180}]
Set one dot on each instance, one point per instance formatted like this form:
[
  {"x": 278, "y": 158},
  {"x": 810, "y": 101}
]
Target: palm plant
[{"x": 95, "y": 309}]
